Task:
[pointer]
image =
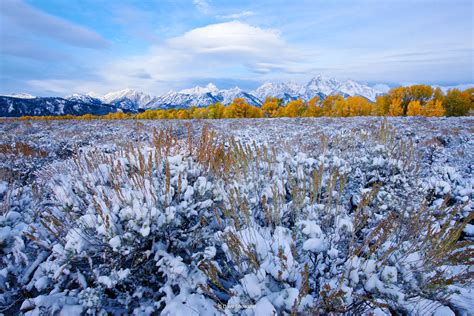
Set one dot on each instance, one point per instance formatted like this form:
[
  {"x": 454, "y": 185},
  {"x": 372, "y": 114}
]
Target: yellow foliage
[
  {"x": 358, "y": 106},
  {"x": 339, "y": 108},
  {"x": 216, "y": 111},
  {"x": 270, "y": 107},
  {"x": 295, "y": 108},
  {"x": 381, "y": 106},
  {"x": 237, "y": 109},
  {"x": 414, "y": 108},
  {"x": 313, "y": 109},
  {"x": 433, "y": 108},
  {"x": 457, "y": 103},
  {"x": 395, "y": 108},
  {"x": 328, "y": 104}
]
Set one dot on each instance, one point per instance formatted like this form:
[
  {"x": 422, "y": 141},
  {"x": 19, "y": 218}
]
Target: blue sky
[{"x": 59, "y": 47}]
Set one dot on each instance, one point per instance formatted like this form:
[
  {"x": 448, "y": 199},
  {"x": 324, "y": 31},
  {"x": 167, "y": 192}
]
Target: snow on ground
[{"x": 360, "y": 215}]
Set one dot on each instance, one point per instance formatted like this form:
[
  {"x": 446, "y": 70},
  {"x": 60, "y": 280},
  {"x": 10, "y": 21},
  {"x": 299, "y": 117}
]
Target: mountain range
[
  {"x": 13, "y": 106},
  {"x": 204, "y": 96},
  {"x": 129, "y": 100}
]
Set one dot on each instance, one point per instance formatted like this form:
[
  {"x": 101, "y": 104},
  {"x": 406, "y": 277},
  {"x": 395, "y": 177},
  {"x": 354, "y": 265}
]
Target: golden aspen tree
[
  {"x": 328, "y": 104},
  {"x": 420, "y": 92},
  {"x": 254, "y": 112},
  {"x": 352, "y": 106},
  {"x": 183, "y": 114},
  {"x": 295, "y": 108},
  {"x": 470, "y": 94},
  {"x": 200, "y": 113},
  {"x": 457, "y": 103},
  {"x": 270, "y": 107},
  {"x": 358, "y": 106},
  {"x": 395, "y": 108},
  {"x": 313, "y": 108},
  {"x": 438, "y": 94},
  {"x": 215, "y": 111},
  {"x": 414, "y": 108},
  {"x": 237, "y": 109},
  {"x": 381, "y": 105},
  {"x": 281, "y": 112},
  {"x": 340, "y": 108},
  {"x": 229, "y": 111},
  {"x": 433, "y": 108},
  {"x": 365, "y": 107}
]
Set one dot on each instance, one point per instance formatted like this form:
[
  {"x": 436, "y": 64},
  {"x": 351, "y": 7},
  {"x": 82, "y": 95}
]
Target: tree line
[{"x": 415, "y": 100}]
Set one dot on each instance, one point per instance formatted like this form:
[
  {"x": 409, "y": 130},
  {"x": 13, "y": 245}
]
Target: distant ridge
[
  {"x": 129, "y": 100},
  {"x": 203, "y": 96}
]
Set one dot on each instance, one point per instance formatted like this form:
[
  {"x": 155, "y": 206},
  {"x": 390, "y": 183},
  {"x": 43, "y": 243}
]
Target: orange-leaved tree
[
  {"x": 295, "y": 108},
  {"x": 433, "y": 108},
  {"x": 270, "y": 107},
  {"x": 414, "y": 108},
  {"x": 395, "y": 108},
  {"x": 313, "y": 108}
]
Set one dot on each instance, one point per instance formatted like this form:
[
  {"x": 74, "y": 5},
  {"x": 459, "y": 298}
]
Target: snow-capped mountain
[
  {"x": 229, "y": 95},
  {"x": 84, "y": 98},
  {"x": 19, "y": 95},
  {"x": 134, "y": 101},
  {"x": 318, "y": 86},
  {"x": 321, "y": 86},
  {"x": 38, "y": 106},
  {"x": 352, "y": 88},
  {"x": 127, "y": 99},
  {"x": 201, "y": 97},
  {"x": 174, "y": 99},
  {"x": 285, "y": 91},
  {"x": 210, "y": 88}
]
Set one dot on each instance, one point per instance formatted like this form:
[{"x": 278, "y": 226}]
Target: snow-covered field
[{"x": 254, "y": 217}]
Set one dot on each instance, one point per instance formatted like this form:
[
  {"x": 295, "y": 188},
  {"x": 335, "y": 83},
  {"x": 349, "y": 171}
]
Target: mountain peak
[
  {"x": 93, "y": 94},
  {"x": 121, "y": 93},
  {"x": 128, "y": 98},
  {"x": 321, "y": 84},
  {"x": 20, "y": 96},
  {"x": 234, "y": 89},
  {"x": 209, "y": 88}
]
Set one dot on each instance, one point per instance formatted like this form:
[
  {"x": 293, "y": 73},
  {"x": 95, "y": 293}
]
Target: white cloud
[
  {"x": 61, "y": 86},
  {"x": 230, "y": 38},
  {"x": 222, "y": 50},
  {"x": 22, "y": 20},
  {"x": 202, "y": 5},
  {"x": 236, "y": 16},
  {"x": 232, "y": 48}
]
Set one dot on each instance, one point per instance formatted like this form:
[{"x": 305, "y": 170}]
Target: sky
[{"x": 60, "y": 47}]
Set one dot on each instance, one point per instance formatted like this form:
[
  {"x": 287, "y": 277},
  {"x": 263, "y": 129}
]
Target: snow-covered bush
[
  {"x": 126, "y": 229},
  {"x": 214, "y": 225},
  {"x": 18, "y": 257},
  {"x": 291, "y": 240}
]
